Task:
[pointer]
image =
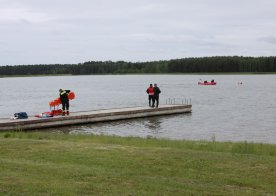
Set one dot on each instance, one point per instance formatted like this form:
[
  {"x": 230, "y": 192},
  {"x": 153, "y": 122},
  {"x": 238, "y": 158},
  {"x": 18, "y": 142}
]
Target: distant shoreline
[
  {"x": 200, "y": 65},
  {"x": 222, "y": 73}
]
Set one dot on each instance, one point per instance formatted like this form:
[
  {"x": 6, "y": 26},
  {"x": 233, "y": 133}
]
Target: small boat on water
[{"x": 207, "y": 83}]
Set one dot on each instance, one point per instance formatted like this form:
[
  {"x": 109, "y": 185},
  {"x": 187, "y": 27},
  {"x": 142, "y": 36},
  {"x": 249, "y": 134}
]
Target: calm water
[{"x": 226, "y": 112}]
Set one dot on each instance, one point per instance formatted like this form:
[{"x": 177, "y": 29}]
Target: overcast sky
[{"x": 75, "y": 31}]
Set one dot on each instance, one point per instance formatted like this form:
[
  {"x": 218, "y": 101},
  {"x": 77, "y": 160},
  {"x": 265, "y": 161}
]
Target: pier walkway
[{"x": 85, "y": 117}]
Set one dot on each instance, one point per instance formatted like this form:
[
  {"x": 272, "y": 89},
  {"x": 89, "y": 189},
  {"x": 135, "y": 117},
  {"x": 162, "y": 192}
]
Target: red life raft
[
  {"x": 49, "y": 114},
  {"x": 207, "y": 83}
]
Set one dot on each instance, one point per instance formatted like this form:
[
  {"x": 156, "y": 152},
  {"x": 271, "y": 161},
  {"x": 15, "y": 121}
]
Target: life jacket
[
  {"x": 150, "y": 91},
  {"x": 63, "y": 95}
]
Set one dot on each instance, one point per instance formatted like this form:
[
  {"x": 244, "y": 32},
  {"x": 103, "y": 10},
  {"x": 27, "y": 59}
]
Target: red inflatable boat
[{"x": 207, "y": 83}]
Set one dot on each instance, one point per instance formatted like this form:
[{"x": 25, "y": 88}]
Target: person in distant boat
[
  {"x": 150, "y": 94},
  {"x": 157, "y": 91},
  {"x": 64, "y": 101},
  {"x": 212, "y": 81},
  {"x": 205, "y": 81}
]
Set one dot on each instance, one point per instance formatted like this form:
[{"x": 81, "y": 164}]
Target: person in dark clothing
[
  {"x": 151, "y": 94},
  {"x": 156, "y": 95},
  {"x": 65, "y": 101}
]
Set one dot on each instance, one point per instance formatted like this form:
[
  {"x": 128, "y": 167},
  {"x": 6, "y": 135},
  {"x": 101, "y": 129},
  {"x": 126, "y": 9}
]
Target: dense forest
[{"x": 185, "y": 65}]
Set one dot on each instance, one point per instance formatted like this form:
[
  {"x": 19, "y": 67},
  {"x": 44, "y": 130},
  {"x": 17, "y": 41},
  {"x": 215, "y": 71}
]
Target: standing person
[
  {"x": 156, "y": 95},
  {"x": 64, "y": 100},
  {"x": 151, "y": 94}
]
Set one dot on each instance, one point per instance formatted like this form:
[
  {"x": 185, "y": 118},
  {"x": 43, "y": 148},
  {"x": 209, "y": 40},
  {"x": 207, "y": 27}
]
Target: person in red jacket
[{"x": 150, "y": 92}]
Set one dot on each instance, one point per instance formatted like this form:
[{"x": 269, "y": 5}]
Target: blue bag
[{"x": 21, "y": 115}]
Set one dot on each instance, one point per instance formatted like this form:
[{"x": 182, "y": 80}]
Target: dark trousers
[
  {"x": 151, "y": 100},
  {"x": 65, "y": 105},
  {"x": 155, "y": 99}
]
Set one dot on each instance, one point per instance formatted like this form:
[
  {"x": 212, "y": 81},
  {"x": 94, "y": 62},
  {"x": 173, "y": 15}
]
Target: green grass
[{"x": 54, "y": 164}]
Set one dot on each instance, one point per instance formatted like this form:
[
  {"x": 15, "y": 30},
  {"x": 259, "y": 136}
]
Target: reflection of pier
[{"x": 92, "y": 117}]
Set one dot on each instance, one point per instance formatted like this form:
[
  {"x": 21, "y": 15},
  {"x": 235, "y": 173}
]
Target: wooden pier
[{"x": 85, "y": 117}]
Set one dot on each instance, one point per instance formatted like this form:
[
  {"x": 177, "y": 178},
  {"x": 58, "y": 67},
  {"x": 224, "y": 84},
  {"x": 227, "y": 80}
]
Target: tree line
[{"x": 185, "y": 65}]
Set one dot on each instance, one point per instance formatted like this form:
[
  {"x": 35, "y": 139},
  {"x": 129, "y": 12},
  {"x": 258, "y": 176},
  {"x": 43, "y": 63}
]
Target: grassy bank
[{"x": 51, "y": 164}]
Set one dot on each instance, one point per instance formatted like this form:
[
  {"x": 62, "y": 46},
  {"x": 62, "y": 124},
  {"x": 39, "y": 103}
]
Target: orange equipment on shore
[{"x": 55, "y": 103}]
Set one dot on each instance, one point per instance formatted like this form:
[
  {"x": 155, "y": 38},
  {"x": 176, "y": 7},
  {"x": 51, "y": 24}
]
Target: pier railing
[{"x": 178, "y": 101}]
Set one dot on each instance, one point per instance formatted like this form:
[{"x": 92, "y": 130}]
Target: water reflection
[
  {"x": 157, "y": 127},
  {"x": 154, "y": 124}
]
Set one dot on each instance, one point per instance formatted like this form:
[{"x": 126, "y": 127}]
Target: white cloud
[
  {"x": 269, "y": 39},
  {"x": 14, "y": 14}
]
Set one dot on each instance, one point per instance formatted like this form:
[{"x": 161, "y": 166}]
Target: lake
[{"x": 225, "y": 112}]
